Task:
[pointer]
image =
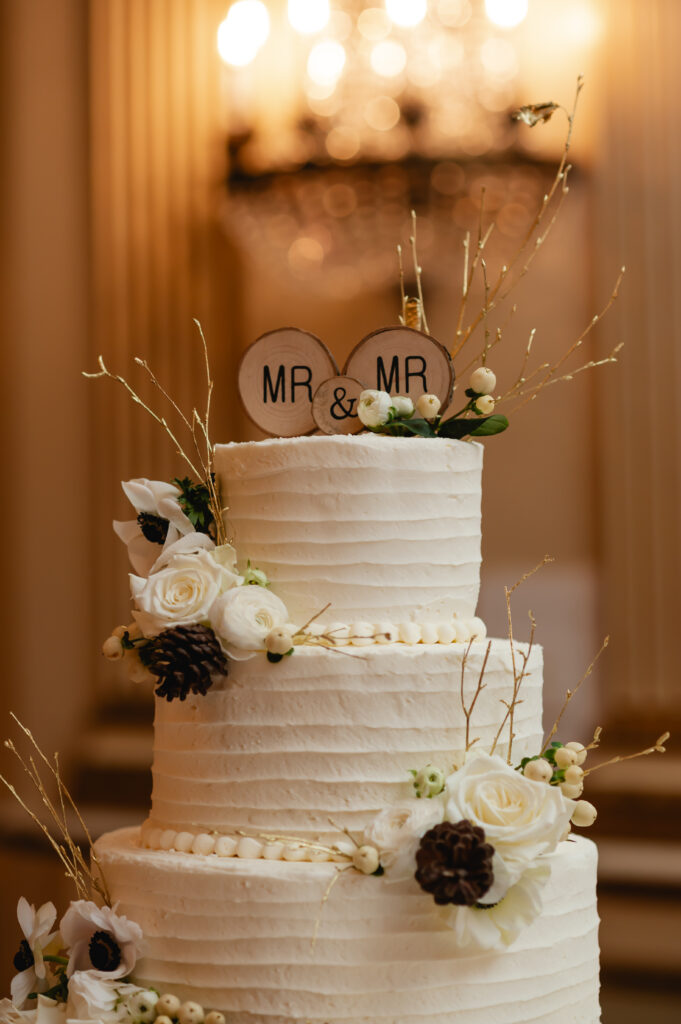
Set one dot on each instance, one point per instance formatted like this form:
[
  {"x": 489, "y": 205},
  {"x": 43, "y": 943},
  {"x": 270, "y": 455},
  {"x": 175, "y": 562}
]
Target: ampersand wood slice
[{"x": 334, "y": 406}]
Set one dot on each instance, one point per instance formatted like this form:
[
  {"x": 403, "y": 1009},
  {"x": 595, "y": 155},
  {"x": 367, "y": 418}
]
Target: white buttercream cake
[{"x": 244, "y": 906}]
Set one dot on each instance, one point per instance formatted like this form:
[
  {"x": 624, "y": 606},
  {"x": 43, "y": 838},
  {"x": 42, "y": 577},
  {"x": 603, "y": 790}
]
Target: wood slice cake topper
[
  {"x": 278, "y": 377},
  {"x": 334, "y": 406},
  {"x": 403, "y": 361}
]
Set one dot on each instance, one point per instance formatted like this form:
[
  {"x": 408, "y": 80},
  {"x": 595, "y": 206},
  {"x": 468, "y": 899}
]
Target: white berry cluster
[
  {"x": 168, "y": 1009},
  {"x": 482, "y": 382},
  {"x": 561, "y": 765},
  {"x": 376, "y": 408}
]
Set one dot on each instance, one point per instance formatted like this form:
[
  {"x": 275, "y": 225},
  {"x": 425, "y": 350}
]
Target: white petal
[
  {"x": 170, "y": 510},
  {"x": 139, "y": 495},
  {"x": 26, "y": 917},
  {"x": 22, "y": 984},
  {"x": 137, "y": 585},
  {"x": 45, "y": 918},
  {"x": 142, "y": 554},
  {"x": 162, "y": 491},
  {"x": 127, "y": 530},
  {"x": 185, "y": 545}
]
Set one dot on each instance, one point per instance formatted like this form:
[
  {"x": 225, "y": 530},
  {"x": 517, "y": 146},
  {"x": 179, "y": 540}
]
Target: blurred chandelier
[{"x": 343, "y": 116}]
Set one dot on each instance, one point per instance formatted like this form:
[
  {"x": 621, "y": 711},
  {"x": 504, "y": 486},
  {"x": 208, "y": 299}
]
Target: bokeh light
[
  {"x": 506, "y": 13},
  {"x": 309, "y": 16},
  {"x": 388, "y": 58},
  {"x": 243, "y": 32},
  {"x": 406, "y": 13},
  {"x": 326, "y": 62}
]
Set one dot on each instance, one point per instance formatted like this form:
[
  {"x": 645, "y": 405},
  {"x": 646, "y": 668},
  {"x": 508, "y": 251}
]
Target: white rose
[
  {"x": 154, "y": 498},
  {"x": 402, "y": 405},
  {"x": 373, "y": 408},
  {"x": 244, "y": 616},
  {"x": 522, "y": 819},
  {"x": 183, "y": 586},
  {"x": 397, "y": 831}
]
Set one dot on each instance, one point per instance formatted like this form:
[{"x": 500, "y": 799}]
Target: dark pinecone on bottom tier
[
  {"x": 185, "y": 659},
  {"x": 454, "y": 863}
]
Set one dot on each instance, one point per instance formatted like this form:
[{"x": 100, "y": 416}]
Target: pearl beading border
[
  {"x": 363, "y": 634},
  {"x": 206, "y": 844}
]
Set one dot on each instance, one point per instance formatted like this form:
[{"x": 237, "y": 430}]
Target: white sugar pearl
[
  {"x": 463, "y": 633},
  {"x": 362, "y": 634},
  {"x": 579, "y": 749},
  {"x": 190, "y": 1013},
  {"x": 564, "y": 757},
  {"x": 428, "y": 633},
  {"x": 273, "y": 851},
  {"x": 248, "y": 848},
  {"x": 317, "y": 856},
  {"x": 339, "y": 633},
  {"x": 142, "y": 1006},
  {"x": 215, "y": 1017},
  {"x": 167, "y": 840},
  {"x": 410, "y": 632},
  {"x": 366, "y": 859},
  {"x": 168, "y": 1004},
  {"x": 574, "y": 774},
  {"x": 538, "y": 771},
  {"x": 183, "y": 842},
  {"x": 446, "y": 634},
  {"x": 203, "y": 844},
  {"x": 386, "y": 633},
  {"x": 584, "y": 814},
  {"x": 315, "y": 629},
  {"x": 225, "y": 846},
  {"x": 477, "y": 627},
  {"x": 295, "y": 853},
  {"x": 152, "y": 838}
]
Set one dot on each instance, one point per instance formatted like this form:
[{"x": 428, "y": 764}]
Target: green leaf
[
  {"x": 491, "y": 425},
  {"x": 195, "y": 503},
  {"x": 457, "y": 428},
  {"x": 421, "y": 427}
]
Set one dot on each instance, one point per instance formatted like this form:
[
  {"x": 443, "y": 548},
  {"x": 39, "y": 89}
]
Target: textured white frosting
[
  {"x": 380, "y": 527},
  {"x": 236, "y": 935},
  {"x": 280, "y": 748}
]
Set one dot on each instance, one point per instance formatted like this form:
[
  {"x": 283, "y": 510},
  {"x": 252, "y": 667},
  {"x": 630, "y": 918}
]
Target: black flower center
[
  {"x": 105, "y": 953},
  {"x": 24, "y": 958},
  {"x": 154, "y": 528}
]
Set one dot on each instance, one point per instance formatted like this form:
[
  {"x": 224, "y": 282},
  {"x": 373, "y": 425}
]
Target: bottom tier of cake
[{"x": 268, "y": 942}]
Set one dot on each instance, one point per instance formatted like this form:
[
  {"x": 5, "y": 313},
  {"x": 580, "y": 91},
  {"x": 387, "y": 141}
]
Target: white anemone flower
[
  {"x": 94, "y": 999},
  {"x": 497, "y": 926},
  {"x": 36, "y": 926},
  {"x": 153, "y": 498},
  {"x": 100, "y": 941}
]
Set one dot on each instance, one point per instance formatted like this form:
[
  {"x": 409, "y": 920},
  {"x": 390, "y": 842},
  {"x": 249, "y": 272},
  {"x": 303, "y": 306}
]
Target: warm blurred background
[{"x": 156, "y": 168}]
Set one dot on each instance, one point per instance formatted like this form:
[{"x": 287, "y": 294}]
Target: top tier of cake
[{"x": 381, "y": 528}]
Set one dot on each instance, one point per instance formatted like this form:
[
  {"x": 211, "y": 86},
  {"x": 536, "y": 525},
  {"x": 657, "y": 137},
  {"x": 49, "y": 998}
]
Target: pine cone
[
  {"x": 185, "y": 658},
  {"x": 454, "y": 863}
]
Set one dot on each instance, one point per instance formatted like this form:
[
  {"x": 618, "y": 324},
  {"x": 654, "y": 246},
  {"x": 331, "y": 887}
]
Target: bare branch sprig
[
  {"x": 569, "y": 694},
  {"x": 89, "y": 883},
  {"x": 468, "y": 710},
  {"x": 657, "y": 748}
]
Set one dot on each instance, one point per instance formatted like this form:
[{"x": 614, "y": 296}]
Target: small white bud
[
  {"x": 429, "y": 781},
  {"x": 538, "y": 771},
  {"x": 572, "y": 792},
  {"x": 163, "y": 1018},
  {"x": 112, "y": 648},
  {"x": 190, "y": 1013},
  {"x": 428, "y": 406},
  {"x": 574, "y": 775},
  {"x": 403, "y": 405},
  {"x": 483, "y": 381},
  {"x": 168, "y": 1004},
  {"x": 142, "y": 1006},
  {"x": 564, "y": 757},
  {"x": 484, "y": 405},
  {"x": 365, "y": 859},
  {"x": 279, "y": 640},
  {"x": 579, "y": 749},
  {"x": 120, "y": 631},
  {"x": 584, "y": 814},
  {"x": 215, "y": 1017},
  {"x": 374, "y": 407}
]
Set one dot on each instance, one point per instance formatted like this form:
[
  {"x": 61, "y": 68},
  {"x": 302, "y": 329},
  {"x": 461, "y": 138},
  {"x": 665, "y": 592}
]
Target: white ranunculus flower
[
  {"x": 93, "y": 998},
  {"x": 397, "y": 831},
  {"x": 156, "y": 498},
  {"x": 37, "y": 928},
  {"x": 403, "y": 405},
  {"x": 373, "y": 408},
  {"x": 100, "y": 941},
  {"x": 183, "y": 585},
  {"x": 522, "y": 819},
  {"x": 499, "y": 925},
  {"x": 243, "y": 617}
]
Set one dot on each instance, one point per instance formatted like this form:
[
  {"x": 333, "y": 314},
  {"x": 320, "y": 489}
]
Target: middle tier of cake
[{"x": 332, "y": 734}]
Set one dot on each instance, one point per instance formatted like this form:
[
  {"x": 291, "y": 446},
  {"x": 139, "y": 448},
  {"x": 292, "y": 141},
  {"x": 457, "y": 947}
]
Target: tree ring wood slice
[
  {"x": 278, "y": 377},
  {"x": 403, "y": 361},
  {"x": 334, "y": 406}
]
